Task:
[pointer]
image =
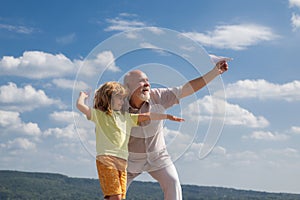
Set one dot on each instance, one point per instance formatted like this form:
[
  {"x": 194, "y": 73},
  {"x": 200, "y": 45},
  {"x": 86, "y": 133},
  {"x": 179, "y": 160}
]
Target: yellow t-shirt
[{"x": 113, "y": 131}]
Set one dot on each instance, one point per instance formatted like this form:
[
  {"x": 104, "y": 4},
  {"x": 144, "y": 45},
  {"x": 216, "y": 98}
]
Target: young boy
[{"x": 112, "y": 134}]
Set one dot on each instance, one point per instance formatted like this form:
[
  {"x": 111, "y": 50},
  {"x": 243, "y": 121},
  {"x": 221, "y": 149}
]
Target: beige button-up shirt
[{"x": 147, "y": 140}]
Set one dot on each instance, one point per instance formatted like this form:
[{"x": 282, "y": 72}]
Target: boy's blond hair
[{"x": 104, "y": 94}]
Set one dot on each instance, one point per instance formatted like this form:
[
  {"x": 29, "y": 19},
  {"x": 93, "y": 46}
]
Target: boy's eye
[{"x": 120, "y": 97}]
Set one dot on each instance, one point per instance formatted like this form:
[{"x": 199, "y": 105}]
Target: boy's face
[{"x": 117, "y": 102}]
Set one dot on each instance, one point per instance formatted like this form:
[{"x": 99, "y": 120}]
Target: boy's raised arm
[{"x": 82, "y": 106}]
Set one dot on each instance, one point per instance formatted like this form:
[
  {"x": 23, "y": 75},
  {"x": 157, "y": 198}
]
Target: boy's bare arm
[
  {"x": 157, "y": 116},
  {"x": 82, "y": 106}
]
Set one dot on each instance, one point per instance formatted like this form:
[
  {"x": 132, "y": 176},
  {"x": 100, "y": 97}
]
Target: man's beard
[{"x": 144, "y": 97}]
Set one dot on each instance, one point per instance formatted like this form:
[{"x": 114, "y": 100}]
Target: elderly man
[{"x": 147, "y": 147}]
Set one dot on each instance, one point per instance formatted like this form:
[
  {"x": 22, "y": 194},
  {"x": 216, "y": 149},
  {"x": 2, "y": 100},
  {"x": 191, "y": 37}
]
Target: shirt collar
[{"x": 143, "y": 108}]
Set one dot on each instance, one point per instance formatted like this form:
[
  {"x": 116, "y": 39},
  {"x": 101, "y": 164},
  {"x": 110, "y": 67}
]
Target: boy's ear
[
  {"x": 126, "y": 86},
  {"x": 127, "y": 91}
]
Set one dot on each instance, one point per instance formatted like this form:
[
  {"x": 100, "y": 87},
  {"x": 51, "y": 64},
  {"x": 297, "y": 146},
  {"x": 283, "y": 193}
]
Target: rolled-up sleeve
[{"x": 167, "y": 97}]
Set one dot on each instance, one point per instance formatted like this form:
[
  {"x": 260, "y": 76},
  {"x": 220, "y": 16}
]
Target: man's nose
[{"x": 146, "y": 84}]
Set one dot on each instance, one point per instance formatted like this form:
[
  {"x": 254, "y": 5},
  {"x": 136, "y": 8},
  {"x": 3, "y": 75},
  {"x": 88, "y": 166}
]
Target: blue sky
[{"x": 45, "y": 44}]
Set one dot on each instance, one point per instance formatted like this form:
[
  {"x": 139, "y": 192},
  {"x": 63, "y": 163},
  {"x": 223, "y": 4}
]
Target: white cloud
[
  {"x": 237, "y": 37},
  {"x": 67, "y": 39},
  {"x": 262, "y": 89},
  {"x": 66, "y": 132},
  {"x": 202, "y": 110},
  {"x": 294, "y": 3},
  {"x": 37, "y": 65},
  {"x": 295, "y": 129},
  {"x": 148, "y": 45},
  {"x": 96, "y": 65},
  {"x": 295, "y": 21},
  {"x": 183, "y": 146},
  {"x": 177, "y": 142},
  {"x": 281, "y": 164},
  {"x": 273, "y": 136},
  {"x": 106, "y": 59},
  {"x": 128, "y": 22},
  {"x": 192, "y": 154},
  {"x": 64, "y": 116},
  {"x": 235, "y": 115},
  {"x": 10, "y": 122},
  {"x": 24, "y": 99},
  {"x": 121, "y": 24},
  {"x": 127, "y": 15},
  {"x": 69, "y": 84},
  {"x": 267, "y": 135},
  {"x": 244, "y": 155},
  {"x": 282, "y": 153},
  {"x": 19, "y": 144},
  {"x": 17, "y": 29}
]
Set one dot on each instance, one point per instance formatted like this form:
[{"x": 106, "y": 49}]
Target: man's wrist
[{"x": 216, "y": 70}]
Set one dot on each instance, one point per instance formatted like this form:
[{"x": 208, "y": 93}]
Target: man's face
[{"x": 139, "y": 86}]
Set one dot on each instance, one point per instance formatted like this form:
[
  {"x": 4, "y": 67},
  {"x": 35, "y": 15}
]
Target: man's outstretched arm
[{"x": 196, "y": 84}]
